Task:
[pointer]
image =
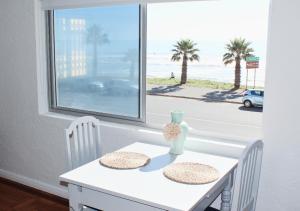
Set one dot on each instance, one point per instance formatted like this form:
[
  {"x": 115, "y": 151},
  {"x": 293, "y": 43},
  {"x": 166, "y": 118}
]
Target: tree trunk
[
  {"x": 184, "y": 70},
  {"x": 95, "y": 61},
  {"x": 237, "y": 74},
  {"x": 132, "y": 70}
]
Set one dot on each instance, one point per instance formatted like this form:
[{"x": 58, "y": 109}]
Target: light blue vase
[{"x": 177, "y": 145}]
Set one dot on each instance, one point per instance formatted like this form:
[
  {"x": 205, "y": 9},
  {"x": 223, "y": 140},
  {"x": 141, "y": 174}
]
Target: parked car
[
  {"x": 253, "y": 97},
  {"x": 120, "y": 87},
  {"x": 96, "y": 86}
]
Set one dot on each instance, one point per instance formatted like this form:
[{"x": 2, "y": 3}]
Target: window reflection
[{"x": 97, "y": 59}]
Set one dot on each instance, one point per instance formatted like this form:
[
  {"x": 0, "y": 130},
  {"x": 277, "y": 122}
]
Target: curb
[{"x": 194, "y": 98}]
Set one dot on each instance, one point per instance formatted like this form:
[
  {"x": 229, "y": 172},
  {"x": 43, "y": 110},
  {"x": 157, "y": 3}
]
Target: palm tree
[
  {"x": 131, "y": 56},
  {"x": 96, "y": 37},
  {"x": 237, "y": 50},
  {"x": 185, "y": 50}
]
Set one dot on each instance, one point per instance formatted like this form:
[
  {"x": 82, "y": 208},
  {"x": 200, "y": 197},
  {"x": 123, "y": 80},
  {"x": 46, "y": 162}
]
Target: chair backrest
[
  {"x": 247, "y": 177},
  {"x": 83, "y": 141}
]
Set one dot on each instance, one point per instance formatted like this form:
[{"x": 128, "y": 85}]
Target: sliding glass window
[{"x": 95, "y": 61}]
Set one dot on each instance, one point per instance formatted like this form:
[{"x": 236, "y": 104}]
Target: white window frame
[
  {"x": 51, "y": 78},
  {"x": 142, "y": 126}
]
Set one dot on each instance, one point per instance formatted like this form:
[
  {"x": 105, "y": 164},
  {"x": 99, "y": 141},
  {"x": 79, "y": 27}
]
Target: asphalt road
[{"x": 220, "y": 118}]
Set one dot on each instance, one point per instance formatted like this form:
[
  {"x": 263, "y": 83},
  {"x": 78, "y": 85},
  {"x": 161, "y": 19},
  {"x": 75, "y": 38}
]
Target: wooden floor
[{"x": 17, "y": 197}]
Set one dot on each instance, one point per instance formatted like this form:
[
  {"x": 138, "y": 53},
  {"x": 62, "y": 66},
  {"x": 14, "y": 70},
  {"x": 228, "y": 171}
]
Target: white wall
[
  {"x": 32, "y": 145},
  {"x": 280, "y": 182}
]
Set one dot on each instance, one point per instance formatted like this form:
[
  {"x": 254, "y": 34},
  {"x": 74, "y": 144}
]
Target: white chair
[
  {"x": 83, "y": 141},
  {"x": 247, "y": 178}
]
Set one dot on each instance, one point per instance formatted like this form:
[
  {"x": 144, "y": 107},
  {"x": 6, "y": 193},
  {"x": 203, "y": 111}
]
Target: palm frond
[
  {"x": 229, "y": 61},
  {"x": 192, "y": 51},
  {"x": 194, "y": 57},
  {"x": 95, "y": 35},
  {"x": 176, "y": 57},
  {"x": 228, "y": 56}
]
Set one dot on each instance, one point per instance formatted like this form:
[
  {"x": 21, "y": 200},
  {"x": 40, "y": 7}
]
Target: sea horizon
[{"x": 159, "y": 65}]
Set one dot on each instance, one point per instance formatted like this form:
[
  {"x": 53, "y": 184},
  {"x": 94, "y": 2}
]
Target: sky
[
  {"x": 209, "y": 23},
  {"x": 208, "y": 20},
  {"x": 119, "y": 22}
]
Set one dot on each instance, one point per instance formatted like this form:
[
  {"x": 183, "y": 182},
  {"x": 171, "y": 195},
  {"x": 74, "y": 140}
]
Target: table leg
[
  {"x": 74, "y": 198},
  {"x": 226, "y": 196}
]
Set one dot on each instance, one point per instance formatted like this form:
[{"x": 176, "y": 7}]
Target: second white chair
[{"x": 247, "y": 178}]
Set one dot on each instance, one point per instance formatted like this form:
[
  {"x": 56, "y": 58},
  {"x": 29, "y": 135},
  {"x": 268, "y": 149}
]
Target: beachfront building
[{"x": 71, "y": 60}]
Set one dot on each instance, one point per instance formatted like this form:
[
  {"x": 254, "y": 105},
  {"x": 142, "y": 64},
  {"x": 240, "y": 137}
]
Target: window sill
[{"x": 153, "y": 129}]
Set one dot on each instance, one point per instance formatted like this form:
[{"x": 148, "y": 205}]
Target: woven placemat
[
  {"x": 124, "y": 160},
  {"x": 191, "y": 173}
]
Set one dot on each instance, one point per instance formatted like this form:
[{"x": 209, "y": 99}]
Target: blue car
[{"x": 253, "y": 98}]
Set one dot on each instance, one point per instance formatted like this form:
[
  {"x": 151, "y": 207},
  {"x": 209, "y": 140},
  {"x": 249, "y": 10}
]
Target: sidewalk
[{"x": 203, "y": 94}]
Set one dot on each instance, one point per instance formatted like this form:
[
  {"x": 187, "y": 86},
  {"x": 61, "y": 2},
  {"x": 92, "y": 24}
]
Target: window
[
  {"x": 96, "y": 60},
  {"x": 100, "y": 64},
  {"x": 257, "y": 93}
]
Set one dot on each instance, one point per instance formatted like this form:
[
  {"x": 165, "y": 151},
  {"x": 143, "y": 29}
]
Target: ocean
[{"x": 210, "y": 68}]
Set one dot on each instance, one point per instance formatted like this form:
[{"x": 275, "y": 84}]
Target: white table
[{"x": 146, "y": 189}]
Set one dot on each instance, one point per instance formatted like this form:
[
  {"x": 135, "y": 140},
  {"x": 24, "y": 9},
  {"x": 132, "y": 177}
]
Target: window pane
[
  {"x": 97, "y": 59},
  {"x": 191, "y": 48}
]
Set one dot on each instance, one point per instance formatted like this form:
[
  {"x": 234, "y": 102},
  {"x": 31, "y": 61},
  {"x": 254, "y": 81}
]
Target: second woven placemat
[{"x": 191, "y": 173}]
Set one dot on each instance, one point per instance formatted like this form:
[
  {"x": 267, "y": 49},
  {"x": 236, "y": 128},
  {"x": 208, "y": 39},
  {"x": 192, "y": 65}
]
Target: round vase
[{"x": 177, "y": 145}]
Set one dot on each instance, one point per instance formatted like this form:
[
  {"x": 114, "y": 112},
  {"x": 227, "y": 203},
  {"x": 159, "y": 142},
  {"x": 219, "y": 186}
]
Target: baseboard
[{"x": 34, "y": 183}]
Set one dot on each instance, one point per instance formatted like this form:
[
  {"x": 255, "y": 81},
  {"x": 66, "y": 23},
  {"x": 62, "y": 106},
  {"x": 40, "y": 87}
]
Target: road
[
  {"x": 213, "y": 117},
  {"x": 226, "y": 119}
]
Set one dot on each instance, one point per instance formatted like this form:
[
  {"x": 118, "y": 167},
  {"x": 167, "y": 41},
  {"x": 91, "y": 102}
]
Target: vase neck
[{"x": 177, "y": 117}]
